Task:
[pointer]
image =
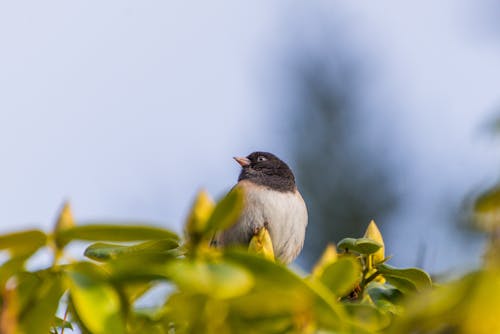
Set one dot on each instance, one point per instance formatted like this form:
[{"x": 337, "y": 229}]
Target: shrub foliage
[{"x": 351, "y": 289}]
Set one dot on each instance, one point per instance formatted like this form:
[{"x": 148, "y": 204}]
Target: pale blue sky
[{"x": 128, "y": 108}]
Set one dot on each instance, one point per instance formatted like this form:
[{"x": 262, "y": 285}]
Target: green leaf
[
  {"x": 135, "y": 290},
  {"x": 103, "y": 251},
  {"x": 226, "y": 213},
  {"x": 361, "y": 245},
  {"x": 342, "y": 276},
  {"x": 221, "y": 279},
  {"x": 385, "y": 297},
  {"x": 145, "y": 320},
  {"x": 467, "y": 305},
  {"x": 274, "y": 324},
  {"x": 64, "y": 221},
  {"x": 27, "y": 285},
  {"x": 115, "y": 233},
  {"x": 487, "y": 209},
  {"x": 61, "y": 323},
  {"x": 279, "y": 292},
  {"x": 488, "y": 201},
  {"x": 403, "y": 285},
  {"x": 12, "y": 266},
  {"x": 328, "y": 257},
  {"x": 368, "y": 317},
  {"x": 37, "y": 315},
  {"x": 26, "y": 242},
  {"x": 139, "y": 267},
  {"x": 406, "y": 279},
  {"x": 96, "y": 302},
  {"x": 194, "y": 313}
]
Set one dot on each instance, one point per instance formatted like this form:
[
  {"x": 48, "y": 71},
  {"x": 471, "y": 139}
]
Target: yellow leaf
[
  {"x": 328, "y": 257},
  {"x": 262, "y": 244},
  {"x": 373, "y": 233},
  {"x": 201, "y": 211},
  {"x": 64, "y": 221}
]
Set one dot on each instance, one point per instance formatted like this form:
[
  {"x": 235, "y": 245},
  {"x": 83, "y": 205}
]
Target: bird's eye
[{"x": 261, "y": 158}]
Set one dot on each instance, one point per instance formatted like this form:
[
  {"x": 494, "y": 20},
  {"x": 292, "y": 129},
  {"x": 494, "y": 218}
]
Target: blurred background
[{"x": 383, "y": 110}]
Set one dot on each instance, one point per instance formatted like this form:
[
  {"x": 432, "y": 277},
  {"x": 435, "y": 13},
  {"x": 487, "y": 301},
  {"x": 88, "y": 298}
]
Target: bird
[{"x": 271, "y": 200}]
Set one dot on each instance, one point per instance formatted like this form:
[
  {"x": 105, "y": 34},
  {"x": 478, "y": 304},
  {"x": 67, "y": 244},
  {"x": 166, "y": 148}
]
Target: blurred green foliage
[{"x": 351, "y": 289}]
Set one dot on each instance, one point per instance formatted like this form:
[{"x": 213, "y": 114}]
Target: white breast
[{"x": 285, "y": 214}]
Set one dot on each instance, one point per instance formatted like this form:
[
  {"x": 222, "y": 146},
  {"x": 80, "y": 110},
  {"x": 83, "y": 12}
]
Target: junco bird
[{"x": 271, "y": 200}]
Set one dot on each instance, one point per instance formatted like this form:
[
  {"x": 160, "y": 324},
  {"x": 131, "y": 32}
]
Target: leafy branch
[{"x": 351, "y": 289}]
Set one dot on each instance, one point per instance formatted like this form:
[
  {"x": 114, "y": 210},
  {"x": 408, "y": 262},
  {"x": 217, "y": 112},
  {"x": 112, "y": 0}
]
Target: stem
[
  {"x": 369, "y": 262},
  {"x": 372, "y": 277},
  {"x": 365, "y": 281},
  {"x": 64, "y": 319}
]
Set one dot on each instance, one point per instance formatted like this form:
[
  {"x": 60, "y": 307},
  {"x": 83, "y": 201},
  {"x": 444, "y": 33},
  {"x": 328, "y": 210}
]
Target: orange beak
[{"x": 242, "y": 161}]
